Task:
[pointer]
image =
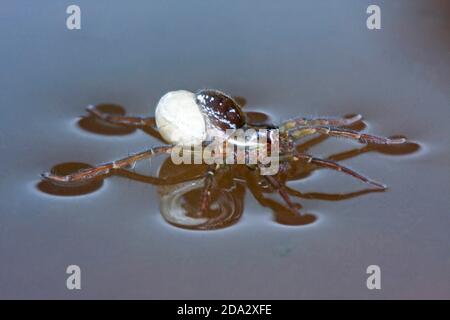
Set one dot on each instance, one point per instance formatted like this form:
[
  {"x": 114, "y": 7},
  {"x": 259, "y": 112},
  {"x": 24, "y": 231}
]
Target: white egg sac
[{"x": 179, "y": 119}]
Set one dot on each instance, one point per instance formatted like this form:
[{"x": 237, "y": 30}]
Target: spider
[{"x": 186, "y": 118}]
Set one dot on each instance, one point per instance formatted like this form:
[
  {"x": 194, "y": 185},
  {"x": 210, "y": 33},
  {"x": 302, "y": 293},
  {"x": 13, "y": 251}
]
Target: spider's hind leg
[
  {"x": 298, "y": 133},
  {"x": 334, "y": 122}
]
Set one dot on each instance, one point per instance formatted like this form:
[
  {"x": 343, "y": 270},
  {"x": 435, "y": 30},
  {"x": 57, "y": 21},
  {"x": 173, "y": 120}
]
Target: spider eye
[{"x": 221, "y": 110}]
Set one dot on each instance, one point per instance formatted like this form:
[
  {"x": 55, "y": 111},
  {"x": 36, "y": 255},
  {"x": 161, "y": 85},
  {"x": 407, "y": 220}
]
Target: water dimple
[
  {"x": 95, "y": 125},
  {"x": 60, "y": 189},
  {"x": 180, "y": 203}
]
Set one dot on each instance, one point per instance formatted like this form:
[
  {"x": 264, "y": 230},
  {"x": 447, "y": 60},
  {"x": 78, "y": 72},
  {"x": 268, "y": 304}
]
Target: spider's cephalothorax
[{"x": 186, "y": 118}]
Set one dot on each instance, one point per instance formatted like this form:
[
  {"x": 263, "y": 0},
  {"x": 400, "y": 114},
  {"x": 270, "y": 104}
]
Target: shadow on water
[
  {"x": 98, "y": 126},
  {"x": 180, "y": 186}
]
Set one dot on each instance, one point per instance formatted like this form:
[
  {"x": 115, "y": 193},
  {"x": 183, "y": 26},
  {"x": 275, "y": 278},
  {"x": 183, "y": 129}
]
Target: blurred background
[{"x": 287, "y": 59}]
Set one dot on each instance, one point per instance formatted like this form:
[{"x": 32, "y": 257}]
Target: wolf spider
[{"x": 185, "y": 118}]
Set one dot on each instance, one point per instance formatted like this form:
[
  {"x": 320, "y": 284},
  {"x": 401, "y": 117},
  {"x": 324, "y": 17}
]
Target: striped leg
[
  {"x": 121, "y": 120},
  {"x": 333, "y": 122},
  {"x": 336, "y": 166},
  {"x": 103, "y": 169},
  {"x": 343, "y": 133}
]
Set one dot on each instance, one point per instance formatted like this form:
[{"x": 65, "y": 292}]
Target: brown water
[{"x": 297, "y": 59}]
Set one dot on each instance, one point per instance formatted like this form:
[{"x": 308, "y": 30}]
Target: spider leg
[
  {"x": 275, "y": 182},
  {"x": 103, "y": 169},
  {"x": 206, "y": 192},
  {"x": 334, "y": 122},
  {"x": 298, "y": 133},
  {"x": 336, "y": 166},
  {"x": 121, "y": 120}
]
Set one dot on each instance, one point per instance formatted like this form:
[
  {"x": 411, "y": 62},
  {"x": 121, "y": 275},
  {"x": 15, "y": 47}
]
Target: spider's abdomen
[
  {"x": 179, "y": 119},
  {"x": 222, "y": 111}
]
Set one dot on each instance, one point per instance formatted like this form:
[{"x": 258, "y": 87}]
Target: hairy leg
[
  {"x": 279, "y": 186},
  {"x": 336, "y": 166},
  {"x": 103, "y": 169},
  {"x": 207, "y": 188},
  {"x": 298, "y": 133},
  {"x": 333, "y": 122},
  {"x": 121, "y": 120}
]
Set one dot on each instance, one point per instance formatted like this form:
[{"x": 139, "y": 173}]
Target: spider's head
[{"x": 184, "y": 118}]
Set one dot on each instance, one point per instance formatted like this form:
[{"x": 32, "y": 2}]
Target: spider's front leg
[
  {"x": 121, "y": 120},
  {"x": 87, "y": 174},
  {"x": 336, "y": 166}
]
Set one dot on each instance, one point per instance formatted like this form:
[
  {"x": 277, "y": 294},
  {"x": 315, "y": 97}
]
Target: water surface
[{"x": 296, "y": 58}]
